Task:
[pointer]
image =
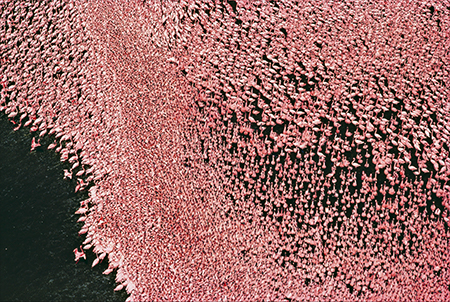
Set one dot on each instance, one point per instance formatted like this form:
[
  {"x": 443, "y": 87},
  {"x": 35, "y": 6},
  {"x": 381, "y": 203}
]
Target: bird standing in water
[{"x": 79, "y": 255}]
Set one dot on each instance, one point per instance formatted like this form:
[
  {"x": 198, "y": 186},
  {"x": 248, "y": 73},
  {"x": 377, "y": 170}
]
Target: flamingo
[
  {"x": 79, "y": 254},
  {"x": 67, "y": 174},
  {"x": 34, "y": 144},
  {"x": 116, "y": 149}
]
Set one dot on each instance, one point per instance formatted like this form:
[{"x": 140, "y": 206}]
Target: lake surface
[{"x": 38, "y": 228}]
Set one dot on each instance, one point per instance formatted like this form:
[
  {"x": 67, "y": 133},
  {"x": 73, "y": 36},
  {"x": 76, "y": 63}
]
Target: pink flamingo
[
  {"x": 79, "y": 254},
  {"x": 34, "y": 144}
]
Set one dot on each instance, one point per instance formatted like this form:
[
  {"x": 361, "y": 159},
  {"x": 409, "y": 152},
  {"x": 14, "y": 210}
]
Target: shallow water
[{"x": 38, "y": 228}]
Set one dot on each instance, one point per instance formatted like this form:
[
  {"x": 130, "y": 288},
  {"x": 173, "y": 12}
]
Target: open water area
[{"x": 39, "y": 229}]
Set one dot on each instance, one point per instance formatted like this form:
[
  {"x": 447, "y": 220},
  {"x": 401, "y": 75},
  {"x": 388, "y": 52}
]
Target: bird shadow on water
[{"x": 39, "y": 230}]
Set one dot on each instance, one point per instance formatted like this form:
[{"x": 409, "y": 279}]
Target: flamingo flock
[{"x": 246, "y": 150}]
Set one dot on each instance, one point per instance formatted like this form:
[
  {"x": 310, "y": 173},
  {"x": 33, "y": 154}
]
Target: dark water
[{"x": 39, "y": 229}]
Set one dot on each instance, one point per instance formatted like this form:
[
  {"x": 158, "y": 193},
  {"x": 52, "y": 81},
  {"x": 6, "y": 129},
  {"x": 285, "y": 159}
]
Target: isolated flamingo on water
[
  {"x": 34, "y": 144},
  {"x": 79, "y": 254}
]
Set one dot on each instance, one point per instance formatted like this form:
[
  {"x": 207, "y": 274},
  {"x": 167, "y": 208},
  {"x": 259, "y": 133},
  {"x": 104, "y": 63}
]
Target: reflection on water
[{"x": 38, "y": 228}]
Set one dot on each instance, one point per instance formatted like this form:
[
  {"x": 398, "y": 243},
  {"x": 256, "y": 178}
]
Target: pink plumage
[{"x": 247, "y": 150}]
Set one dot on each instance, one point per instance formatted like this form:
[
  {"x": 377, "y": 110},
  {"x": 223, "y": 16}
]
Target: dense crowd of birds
[{"x": 246, "y": 150}]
